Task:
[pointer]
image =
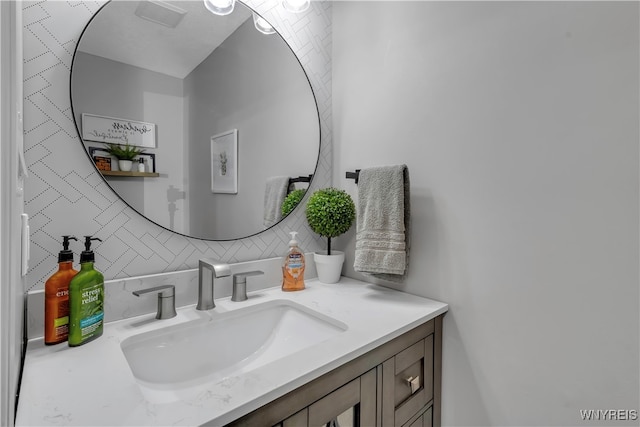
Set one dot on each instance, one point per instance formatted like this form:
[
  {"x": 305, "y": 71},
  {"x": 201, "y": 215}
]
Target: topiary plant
[
  {"x": 330, "y": 213},
  {"x": 123, "y": 152},
  {"x": 292, "y": 200}
]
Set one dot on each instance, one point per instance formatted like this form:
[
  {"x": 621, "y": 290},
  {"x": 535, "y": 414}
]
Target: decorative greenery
[
  {"x": 330, "y": 213},
  {"x": 123, "y": 152},
  {"x": 292, "y": 200}
]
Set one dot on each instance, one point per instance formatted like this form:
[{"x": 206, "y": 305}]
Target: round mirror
[{"x": 224, "y": 113}]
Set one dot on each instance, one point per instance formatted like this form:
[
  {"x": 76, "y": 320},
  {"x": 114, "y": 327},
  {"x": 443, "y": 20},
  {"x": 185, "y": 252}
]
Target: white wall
[
  {"x": 519, "y": 124},
  {"x": 11, "y": 206}
]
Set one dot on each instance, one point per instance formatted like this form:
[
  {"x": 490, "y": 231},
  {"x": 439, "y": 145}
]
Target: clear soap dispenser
[{"x": 293, "y": 267}]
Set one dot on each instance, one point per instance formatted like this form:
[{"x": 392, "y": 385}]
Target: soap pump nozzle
[
  {"x": 65, "y": 241},
  {"x": 87, "y": 255},
  {"x": 65, "y": 254},
  {"x": 293, "y": 241}
]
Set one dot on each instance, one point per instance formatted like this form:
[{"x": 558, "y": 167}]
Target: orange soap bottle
[
  {"x": 56, "y": 297},
  {"x": 293, "y": 267}
]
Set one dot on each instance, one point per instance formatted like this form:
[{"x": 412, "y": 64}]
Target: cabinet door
[
  {"x": 424, "y": 420},
  {"x": 353, "y": 404},
  {"x": 407, "y": 382}
]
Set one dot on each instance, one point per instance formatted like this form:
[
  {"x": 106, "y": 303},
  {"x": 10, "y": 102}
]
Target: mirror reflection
[{"x": 224, "y": 113}]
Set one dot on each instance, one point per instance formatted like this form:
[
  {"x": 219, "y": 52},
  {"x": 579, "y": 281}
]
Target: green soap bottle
[{"x": 86, "y": 300}]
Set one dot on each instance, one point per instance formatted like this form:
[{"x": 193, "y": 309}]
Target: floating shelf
[{"x": 140, "y": 174}]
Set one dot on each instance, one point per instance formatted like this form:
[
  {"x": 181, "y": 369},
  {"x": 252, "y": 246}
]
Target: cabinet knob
[{"x": 414, "y": 383}]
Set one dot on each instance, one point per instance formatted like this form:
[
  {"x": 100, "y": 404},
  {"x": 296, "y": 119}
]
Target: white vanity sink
[
  {"x": 237, "y": 341},
  {"x": 212, "y": 367}
]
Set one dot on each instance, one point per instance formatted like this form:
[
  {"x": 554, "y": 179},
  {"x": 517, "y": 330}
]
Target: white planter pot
[
  {"x": 329, "y": 267},
  {"x": 125, "y": 165}
]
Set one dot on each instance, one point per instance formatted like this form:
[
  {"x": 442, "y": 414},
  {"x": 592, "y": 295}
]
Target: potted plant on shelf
[
  {"x": 125, "y": 154},
  {"x": 330, "y": 213}
]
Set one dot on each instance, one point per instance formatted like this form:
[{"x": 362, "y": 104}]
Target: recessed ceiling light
[
  {"x": 296, "y": 6},
  {"x": 262, "y": 25},
  {"x": 220, "y": 7}
]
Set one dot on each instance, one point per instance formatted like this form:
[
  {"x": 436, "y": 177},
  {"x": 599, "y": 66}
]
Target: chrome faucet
[
  {"x": 240, "y": 285},
  {"x": 205, "y": 290},
  {"x": 166, "y": 300}
]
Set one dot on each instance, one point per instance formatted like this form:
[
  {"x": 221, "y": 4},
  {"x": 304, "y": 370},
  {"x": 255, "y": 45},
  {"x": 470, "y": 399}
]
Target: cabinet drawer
[
  {"x": 411, "y": 374},
  {"x": 409, "y": 367}
]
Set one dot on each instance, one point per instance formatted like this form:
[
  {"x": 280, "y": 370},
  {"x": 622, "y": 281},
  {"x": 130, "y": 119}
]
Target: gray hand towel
[
  {"x": 383, "y": 223},
  {"x": 276, "y": 191}
]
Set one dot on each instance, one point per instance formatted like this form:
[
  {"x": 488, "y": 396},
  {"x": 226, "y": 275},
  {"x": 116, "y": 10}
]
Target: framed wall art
[
  {"x": 224, "y": 162},
  {"x": 112, "y": 130}
]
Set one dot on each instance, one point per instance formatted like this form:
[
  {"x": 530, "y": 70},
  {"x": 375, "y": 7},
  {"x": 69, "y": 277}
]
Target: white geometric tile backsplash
[{"x": 64, "y": 194}]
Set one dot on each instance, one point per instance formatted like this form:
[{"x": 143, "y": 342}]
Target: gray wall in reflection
[{"x": 261, "y": 91}]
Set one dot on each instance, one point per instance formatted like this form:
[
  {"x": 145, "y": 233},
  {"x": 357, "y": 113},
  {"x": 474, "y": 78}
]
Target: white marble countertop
[{"x": 93, "y": 384}]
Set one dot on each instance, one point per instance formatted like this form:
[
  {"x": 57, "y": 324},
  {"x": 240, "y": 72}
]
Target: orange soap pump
[
  {"x": 293, "y": 267},
  {"x": 56, "y": 297}
]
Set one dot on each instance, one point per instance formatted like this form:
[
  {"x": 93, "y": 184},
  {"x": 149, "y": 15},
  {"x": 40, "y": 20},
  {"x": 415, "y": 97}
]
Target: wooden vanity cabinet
[
  {"x": 407, "y": 380},
  {"x": 352, "y": 404},
  {"x": 373, "y": 390}
]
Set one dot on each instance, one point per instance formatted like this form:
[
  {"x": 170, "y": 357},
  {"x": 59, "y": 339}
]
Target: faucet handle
[
  {"x": 164, "y": 290},
  {"x": 166, "y": 300},
  {"x": 242, "y": 277},
  {"x": 240, "y": 284}
]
